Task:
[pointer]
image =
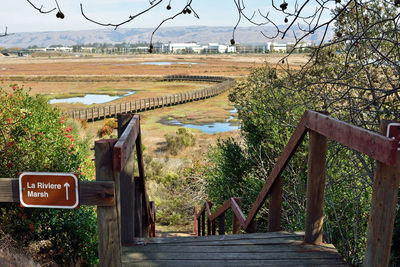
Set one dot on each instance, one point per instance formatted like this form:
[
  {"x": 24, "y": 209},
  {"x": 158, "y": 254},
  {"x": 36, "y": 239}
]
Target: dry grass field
[
  {"x": 223, "y": 65},
  {"x": 60, "y": 77}
]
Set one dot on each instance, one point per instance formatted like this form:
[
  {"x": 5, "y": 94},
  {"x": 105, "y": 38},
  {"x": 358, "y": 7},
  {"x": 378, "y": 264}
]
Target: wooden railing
[
  {"x": 124, "y": 212},
  {"x": 321, "y": 127},
  {"x": 112, "y": 110}
]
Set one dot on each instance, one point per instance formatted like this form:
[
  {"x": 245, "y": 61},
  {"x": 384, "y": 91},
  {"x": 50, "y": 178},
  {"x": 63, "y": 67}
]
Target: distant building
[
  {"x": 277, "y": 47},
  {"x": 220, "y": 48},
  {"x": 59, "y": 49},
  {"x": 37, "y": 49},
  {"x": 181, "y": 48}
]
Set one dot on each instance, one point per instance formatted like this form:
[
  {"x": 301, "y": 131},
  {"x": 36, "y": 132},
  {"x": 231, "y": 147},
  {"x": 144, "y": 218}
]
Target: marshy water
[
  {"x": 90, "y": 99},
  {"x": 210, "y": 128}
]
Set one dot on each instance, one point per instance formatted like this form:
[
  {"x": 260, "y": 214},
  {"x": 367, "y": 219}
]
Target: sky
[{"x": 20, "y": 16}]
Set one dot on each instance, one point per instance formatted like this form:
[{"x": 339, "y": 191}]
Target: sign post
[{"x": 48, "y": 190}]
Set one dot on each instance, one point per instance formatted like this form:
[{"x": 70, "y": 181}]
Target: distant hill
[{"x": 201, "y": 34}]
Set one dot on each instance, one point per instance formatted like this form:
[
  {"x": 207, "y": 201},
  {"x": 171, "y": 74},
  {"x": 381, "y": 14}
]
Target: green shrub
[
  {"x": 183, "y": 138},
  {"x": 36, "y": 137}
]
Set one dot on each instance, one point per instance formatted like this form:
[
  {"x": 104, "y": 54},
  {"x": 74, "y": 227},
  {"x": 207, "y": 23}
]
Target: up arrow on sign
[{"x": 66, "y": 185}]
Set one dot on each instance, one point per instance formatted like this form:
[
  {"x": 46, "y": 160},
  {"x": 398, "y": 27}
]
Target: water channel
[
  {"x": 90, "y": 99},
  {"x": 210, "y": 128}
]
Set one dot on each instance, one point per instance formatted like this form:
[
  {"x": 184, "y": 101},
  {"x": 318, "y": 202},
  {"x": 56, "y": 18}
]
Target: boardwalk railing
[
  {"x": 124, "y": 212},
  {"x": 321, "y": 127},
  {"x": 112, "y": 110}
]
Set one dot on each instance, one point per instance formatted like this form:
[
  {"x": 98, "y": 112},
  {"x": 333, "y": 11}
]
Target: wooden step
[{"x": 259, "y": 249}]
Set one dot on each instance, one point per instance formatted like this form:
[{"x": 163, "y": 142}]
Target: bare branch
[
  {"x": 6, "y": 33},
  {"x": 131, "y": 17},
  {"x": 40, "y": 9}
]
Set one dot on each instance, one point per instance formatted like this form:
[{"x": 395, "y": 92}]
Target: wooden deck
[{"x": 258, "y": 249}]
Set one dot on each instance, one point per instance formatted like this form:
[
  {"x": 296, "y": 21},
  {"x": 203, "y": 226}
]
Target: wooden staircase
[{"x": 258, "y": 249}]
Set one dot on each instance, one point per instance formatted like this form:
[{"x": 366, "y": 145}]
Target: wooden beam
[
  {"x": 315, "y": 188},
  {"x": 221, "y": 210},
  {"x": 383, "y": 212},
  {"x": 127, "y": 191},
  {"x": 283, "y": 160},
  {"x": 123, "y": 122},
  {"x": 375, "y": 145},
  {"x": 238, "y": 216},
  {"x": 100, "y": 193},
  {"x": 124, "y": 146}
]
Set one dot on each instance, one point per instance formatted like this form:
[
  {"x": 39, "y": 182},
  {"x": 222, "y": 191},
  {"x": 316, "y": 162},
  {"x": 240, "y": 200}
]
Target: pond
[
  {"x": 90, "y": 99},
  {"x": 210, "y": 128}
]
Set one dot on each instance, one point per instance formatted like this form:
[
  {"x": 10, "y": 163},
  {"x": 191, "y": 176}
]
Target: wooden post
[
  {"x": 315, "y": 188},
  {"x": 152, "y": 231},
  {"x": 208, "y": 220},
  {"x": 127, "y": 192},
  {"x": 198, "y": 225},
  {"x": 213, "y": 227},
  {"x": 275, "y": 206},
  {"x": 203, "y": 223},
  {"x": 196, "y": 221},
  {"x": 221, "y": 221},
  {"x": 235, "y": 220},
  {"x": 108, "y": 217},
  {"x": 383, "y": 211}
]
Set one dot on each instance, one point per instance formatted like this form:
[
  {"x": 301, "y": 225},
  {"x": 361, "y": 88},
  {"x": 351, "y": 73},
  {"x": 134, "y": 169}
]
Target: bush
[
  {"x": 36, "y": 137},
  {"x": 108, "y": 127},
  {"x": 183, "y": 138}
]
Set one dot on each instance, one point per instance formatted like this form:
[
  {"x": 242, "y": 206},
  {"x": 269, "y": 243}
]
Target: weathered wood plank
[
  {"x": 298, "y": 246},
  {"x": 99, "y": 193},
  {"x": 375, "y": 145},
  {"x": 268, "y": 256},
  {"x": 124, "y": 146},
  {"x": 238, "y": 263},
  {"x": 315, "y": 188},
  {"x": 127, "y": 191},
  {"x": 282, "y": 235},
  {"x": 260, "y": 249}
]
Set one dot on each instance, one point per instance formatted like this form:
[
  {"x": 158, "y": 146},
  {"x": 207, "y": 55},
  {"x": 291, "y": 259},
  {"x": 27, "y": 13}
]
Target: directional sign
[
  {"x": 393, "y": 131},
  {"x": 48, "y": 190}
]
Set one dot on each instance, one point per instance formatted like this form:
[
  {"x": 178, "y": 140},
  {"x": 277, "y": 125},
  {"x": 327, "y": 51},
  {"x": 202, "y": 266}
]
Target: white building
[
  {"x": 277, "y": 47},
  {"x": 63, "y": 49},
  {"x": 182, "y": 48},
  {"x": 220, "y": 48}
]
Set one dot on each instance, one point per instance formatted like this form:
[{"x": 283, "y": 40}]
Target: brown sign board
[
  {"x": 393, "y": 131},
  {"x": 48, "y": 190}
]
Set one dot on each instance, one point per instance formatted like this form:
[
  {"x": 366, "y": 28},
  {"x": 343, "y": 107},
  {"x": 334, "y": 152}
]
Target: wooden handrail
[
  {"x": 133, "y": 190},
  {"x": 211, "y": 217},
  {"x": 376, "y": 146}
]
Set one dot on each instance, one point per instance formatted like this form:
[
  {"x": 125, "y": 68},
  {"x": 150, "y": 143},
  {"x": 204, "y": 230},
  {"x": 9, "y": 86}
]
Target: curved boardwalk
[{"x": 106, "y": 111}]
